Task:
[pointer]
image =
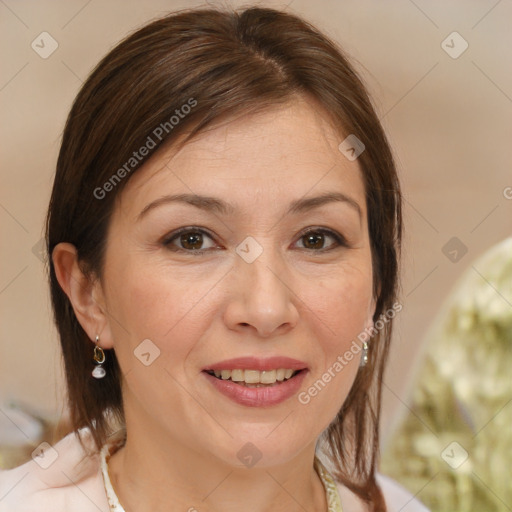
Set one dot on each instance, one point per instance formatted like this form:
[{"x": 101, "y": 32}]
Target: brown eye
[
  {"x": 192, "y": 241},
  {"x": 315, "y": 240},
  {"x": 189, "y": 240}
]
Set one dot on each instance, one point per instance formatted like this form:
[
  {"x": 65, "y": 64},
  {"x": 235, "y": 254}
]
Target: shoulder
[
  {"x": 396, "y": 497},
  {"x": 60, "y": 478}
]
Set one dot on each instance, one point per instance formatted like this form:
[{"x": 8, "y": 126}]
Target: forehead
[{"x": 274, "y": 156}]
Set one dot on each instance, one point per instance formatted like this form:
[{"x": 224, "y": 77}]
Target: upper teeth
[{"x": 255, "y": 376}]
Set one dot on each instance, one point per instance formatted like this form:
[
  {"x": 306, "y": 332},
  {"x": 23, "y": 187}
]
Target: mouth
[{"x": 255, "y": 378}]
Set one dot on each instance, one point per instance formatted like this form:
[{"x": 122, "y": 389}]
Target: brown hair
[{"x": 222, "y": 63}]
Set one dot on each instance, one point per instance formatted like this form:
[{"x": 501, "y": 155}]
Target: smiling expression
[{"x": 250, "y": 241}]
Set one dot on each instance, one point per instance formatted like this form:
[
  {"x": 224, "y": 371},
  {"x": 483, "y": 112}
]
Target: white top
[{"x": 64, "y": 479}]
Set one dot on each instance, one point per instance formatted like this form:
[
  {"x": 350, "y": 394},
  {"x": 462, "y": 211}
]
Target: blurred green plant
[{"x": 463, "y": 394}]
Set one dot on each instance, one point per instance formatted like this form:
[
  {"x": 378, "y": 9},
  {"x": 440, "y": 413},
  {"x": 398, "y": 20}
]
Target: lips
[
  {"x": 257, "y": 395},
  {"x": 260, "y": 396},
  {"x": 256, "y": 363}
]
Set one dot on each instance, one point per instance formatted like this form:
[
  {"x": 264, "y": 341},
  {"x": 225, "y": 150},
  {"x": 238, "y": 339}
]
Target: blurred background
[{"x": 441, "y": 78}]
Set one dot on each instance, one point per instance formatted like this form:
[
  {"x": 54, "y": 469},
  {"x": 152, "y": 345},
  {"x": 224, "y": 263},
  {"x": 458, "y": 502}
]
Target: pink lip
[
  {"x": 258, "y": 397},
  {"x": 261, "y": 364}
]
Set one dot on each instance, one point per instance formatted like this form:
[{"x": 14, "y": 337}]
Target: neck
[{"x": 150, "y": 472}]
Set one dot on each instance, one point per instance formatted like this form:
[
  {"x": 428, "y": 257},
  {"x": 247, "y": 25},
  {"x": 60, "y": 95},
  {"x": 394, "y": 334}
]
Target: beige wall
[{"x": 448, "y": 119}]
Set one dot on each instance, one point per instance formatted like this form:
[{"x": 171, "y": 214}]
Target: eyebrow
[{"x": 214, "y": 205}]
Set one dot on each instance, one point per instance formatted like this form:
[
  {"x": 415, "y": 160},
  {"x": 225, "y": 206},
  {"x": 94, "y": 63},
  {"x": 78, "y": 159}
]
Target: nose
[{"x": 260, "y": 297}]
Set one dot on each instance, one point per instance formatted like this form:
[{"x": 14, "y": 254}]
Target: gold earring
[{"x": 99, "y": 356}]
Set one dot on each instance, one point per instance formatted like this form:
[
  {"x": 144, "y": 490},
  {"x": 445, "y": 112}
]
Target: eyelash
[{"x": 340, "y": 241}]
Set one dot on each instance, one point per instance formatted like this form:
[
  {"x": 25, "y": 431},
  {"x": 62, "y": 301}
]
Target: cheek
[
  {"x": 341, "y": 304},
  {"x": 339, "y": 310},
  {"x": 150, "y": 303}
]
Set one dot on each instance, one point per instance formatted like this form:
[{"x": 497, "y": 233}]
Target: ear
[{"x": 84, "y": 293}]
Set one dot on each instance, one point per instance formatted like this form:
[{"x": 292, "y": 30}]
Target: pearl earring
[
  {"x": 99, "y": 356},
  {"x": 364, "y": 355}
]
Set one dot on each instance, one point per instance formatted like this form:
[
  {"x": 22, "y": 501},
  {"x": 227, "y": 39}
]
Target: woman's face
[{"x": 255, "y": 278}]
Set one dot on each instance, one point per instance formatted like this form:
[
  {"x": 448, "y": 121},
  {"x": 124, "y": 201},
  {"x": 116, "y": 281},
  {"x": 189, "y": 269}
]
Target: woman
[{"x": 224, "y": 231}]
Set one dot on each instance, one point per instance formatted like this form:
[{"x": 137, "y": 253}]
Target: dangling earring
[
  {"x": 364, "y": 355},
  {"x": 99, "y": 356}
]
